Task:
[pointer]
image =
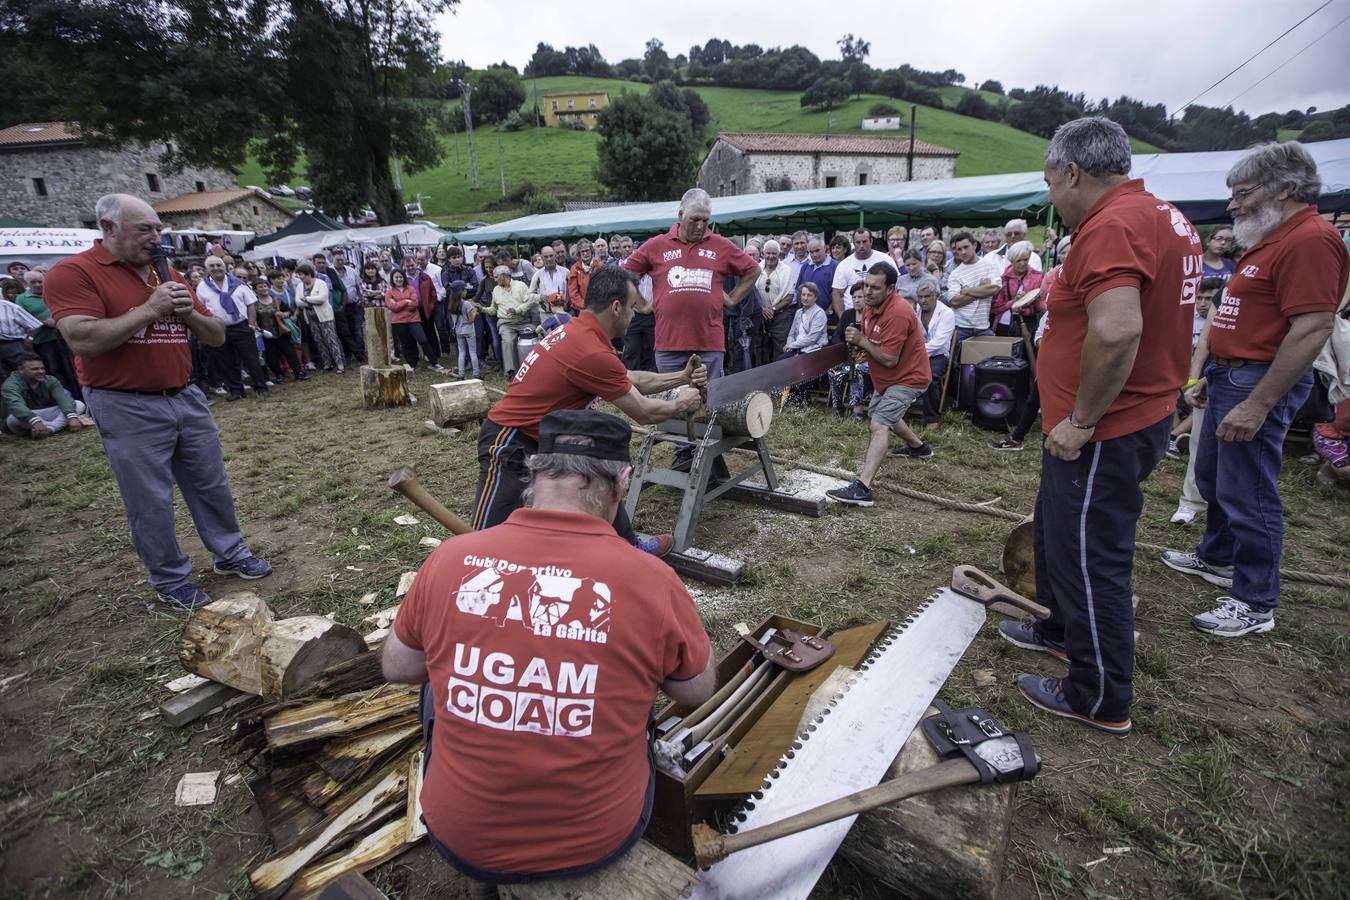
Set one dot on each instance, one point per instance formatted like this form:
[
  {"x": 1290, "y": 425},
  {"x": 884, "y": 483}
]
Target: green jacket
[
  {"x": 19, "y": 400},
  {"x": 37, "y": 308}
]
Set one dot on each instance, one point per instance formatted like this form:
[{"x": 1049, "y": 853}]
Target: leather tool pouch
[{"x": 1000, "y": 756}]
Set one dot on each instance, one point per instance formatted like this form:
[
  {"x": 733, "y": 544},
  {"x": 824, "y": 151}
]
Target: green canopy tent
[
  {"x": 1194, "y": 182},
  {"x": 307, "y": 221}
]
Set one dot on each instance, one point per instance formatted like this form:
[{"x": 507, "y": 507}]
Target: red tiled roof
[
  {"x": 203, "y": 201},
  {"x": 39, "y": 133},
  {"x": 835, "y": 143}
]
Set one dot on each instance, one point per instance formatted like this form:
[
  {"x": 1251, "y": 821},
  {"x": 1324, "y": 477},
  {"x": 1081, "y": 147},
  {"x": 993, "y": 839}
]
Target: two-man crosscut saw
[
  {"x": 783, "y": 373},
  {"x": 847, "y": 749}
]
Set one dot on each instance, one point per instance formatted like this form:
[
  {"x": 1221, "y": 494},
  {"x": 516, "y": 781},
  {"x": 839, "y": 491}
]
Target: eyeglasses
[
  {"x": 1244, "y": 193},
  {"x": 1223, "y": 239}
]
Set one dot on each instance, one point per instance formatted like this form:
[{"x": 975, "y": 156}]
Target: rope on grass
[{"x": 1331, "y": 581}]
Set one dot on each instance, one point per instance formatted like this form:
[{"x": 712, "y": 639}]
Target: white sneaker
[
  {"x": 311, "y": 367},
  {"x": 1192, "y": 564},
  {"x": 1234, "y": 618},
  {"x": 219, "y": 391},
  {"x": 1184, "y": 515}
]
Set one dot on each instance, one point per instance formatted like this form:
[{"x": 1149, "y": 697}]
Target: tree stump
[
  {"x": 950, "y": 843},
  {"x": 377, "y": 337},
  {"x": 235, "y": 641},
  {"x": 382, "y": 388},
  {"x": 223, "y": 641},
  {"x": 457, "y": 402}
]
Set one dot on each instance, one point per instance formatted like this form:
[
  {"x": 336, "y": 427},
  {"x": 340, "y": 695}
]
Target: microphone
[{"x": 159, "y": 258}]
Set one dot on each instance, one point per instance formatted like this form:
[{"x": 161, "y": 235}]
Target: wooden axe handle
[
  {"x": 711, "y": 846},
  {"x": 404, "y": 480}
]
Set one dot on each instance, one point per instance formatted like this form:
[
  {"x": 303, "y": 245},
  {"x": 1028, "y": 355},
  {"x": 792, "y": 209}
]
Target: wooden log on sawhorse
[
  {"x": 950, "y": 843},
  {"x": 643, "y": 873}
]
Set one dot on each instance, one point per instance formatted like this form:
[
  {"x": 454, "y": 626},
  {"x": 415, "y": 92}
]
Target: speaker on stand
[{"x": 999, "y": 392}]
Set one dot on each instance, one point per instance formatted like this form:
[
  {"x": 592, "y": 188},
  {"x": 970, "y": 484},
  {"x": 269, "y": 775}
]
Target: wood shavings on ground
[
  {"x": 382, "y": 619},
  {"x": 367, "y": 599},
  {"x": 184, "y": 683},
  {"x": 405, "y": 583},
  {"x": 430, "y": 542},
  {"x": 406, "y": 519}
]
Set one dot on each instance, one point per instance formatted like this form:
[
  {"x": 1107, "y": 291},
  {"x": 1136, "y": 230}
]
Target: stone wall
[
  {"x": 76, "y": 176},
  {"x": 753, "y": 173},
  {"x": 249, "y": 214}
]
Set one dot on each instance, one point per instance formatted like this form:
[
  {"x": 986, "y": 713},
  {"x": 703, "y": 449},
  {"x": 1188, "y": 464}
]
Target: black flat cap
[{"x": 584, "y": 432}]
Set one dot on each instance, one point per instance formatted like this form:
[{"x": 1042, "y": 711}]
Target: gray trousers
[
  {"x": 510, "y": 332},
  {"x": 51, "y": 416},
  {"x": 152, "y": 444}
]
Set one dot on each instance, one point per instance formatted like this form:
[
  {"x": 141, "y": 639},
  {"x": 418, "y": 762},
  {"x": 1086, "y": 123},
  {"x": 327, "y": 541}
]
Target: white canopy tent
[{"x": 302, "y": 245}]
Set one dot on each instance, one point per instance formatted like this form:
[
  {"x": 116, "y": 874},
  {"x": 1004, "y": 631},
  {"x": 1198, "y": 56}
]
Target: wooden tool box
[{"x": 677, "y": 806}]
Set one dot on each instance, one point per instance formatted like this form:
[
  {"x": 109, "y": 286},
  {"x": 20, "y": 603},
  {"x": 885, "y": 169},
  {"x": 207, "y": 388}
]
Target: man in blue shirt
[{"x": 819, "y": 270}]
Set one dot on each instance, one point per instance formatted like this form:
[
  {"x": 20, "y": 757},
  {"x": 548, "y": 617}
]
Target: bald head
[{"x": 130, "y": 228}]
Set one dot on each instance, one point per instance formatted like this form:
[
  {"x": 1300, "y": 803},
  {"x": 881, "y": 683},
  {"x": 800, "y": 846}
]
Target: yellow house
[{"x": 570, "y": 110}]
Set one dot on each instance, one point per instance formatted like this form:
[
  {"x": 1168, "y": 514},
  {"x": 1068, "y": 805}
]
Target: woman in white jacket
[
  {"x": 312, "y": 297},
  {"x": 808, "y": 334}
]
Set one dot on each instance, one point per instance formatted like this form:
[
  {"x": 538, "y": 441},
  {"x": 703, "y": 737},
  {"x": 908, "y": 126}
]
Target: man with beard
[
  {"x": 1113, "y": 357},
  {"x": 1273, "y": 318}
]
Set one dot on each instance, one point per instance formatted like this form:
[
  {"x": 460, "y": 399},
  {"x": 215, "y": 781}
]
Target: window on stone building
[
  {"x": 40, "y": 187},
  {"x": 733, "y": 187},
  {"x": 152, "y": 182},
  {"x": 89, "y": 223},
  {"x": 862, "y": 178},
  {"x": 201, "y": 187},
  {"x": 237, "y": 226},
  {"x": 256, "y": 211},
  {"x": 831, "y": 181}
]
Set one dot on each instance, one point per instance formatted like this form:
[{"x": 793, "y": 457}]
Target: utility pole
[
  {"x": 467, "y": 90},
  {"x": 909, "y": 157}
]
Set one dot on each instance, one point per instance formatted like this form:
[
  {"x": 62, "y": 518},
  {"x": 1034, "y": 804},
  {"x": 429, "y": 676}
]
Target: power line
[
  {"x": 1292, "y": 58},
  {"x": 1249, "y": 59}
]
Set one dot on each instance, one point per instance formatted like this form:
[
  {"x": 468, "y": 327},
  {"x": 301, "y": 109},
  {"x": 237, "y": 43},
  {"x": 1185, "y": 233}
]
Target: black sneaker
[
  {"x": 855, "y": 493},
  {"x": 923, "y": 451}
]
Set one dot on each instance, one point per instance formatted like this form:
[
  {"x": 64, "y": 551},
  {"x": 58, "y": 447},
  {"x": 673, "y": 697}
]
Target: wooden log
[
  {"x": 273, "y": 877},
  {"x": 950, "y": 843},
  {"x": 457, "y": 402},
  {"x": 750, "y": 417},
  {"x": 223, "y": 641},
  {"x": 366, "y": 854},
  {"x": 285, "y": 812},
  {"x": 384, "y": 388},
  {"x": 643, "y": 873},
  {"x": 342, "y": 715},
  {"x": 352, "y": 886},
  {"x": 346, "y": 760},
  {"x": 298, "y": 649},
  {"x": 377, "y": 338}
]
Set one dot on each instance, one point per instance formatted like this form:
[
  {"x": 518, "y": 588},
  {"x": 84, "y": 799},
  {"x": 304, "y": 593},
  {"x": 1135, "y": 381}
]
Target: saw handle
[
  {"x": 711, "y": 846},
  {"x": 970, "y": 582}
]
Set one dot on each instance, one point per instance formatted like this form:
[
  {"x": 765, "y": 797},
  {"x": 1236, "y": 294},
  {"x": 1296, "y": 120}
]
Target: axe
[
  {"x": 404, "y": 480},
  {"x": 711, "y": 846}
]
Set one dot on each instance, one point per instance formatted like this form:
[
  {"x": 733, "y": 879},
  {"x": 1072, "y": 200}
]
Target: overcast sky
[{"x": 1155, "y": 50}]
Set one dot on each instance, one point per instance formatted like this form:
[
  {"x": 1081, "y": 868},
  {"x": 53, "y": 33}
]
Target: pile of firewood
[{"x": 343, "y": 766}]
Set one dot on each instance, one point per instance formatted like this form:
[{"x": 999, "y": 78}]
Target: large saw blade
[
  {"x": 848, "y": 748},
  {"x": 776, "y": 375}
]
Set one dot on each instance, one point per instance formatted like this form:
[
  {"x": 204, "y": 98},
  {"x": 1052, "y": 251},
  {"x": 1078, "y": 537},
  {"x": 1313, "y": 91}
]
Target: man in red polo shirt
[
  {"x": 575, "y": 367},
  {"x": 892, "y": 341},
  {"x": 1274, "y": 316},
  {"x": 129, "y": 335},
  {"x": 687, "y": 266},
  {"x": 1113, "y": 357},
  {"x": 542, "y": 643}
]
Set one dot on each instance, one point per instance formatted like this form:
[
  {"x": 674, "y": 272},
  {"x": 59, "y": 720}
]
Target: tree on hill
[
  {"x": 857, "y": 73},
  {"x": 1209, "y": 128},
  {"x": 546, "y": 61},
  {"x": 892, "y": 83},
  {"x": 646, "y": 152},
  {"x": 498, "y": 93},
  {"x": 684, "y": 102},
  {"x": 826, "y": 94},
  {"x": 656, "y": 64},
  {"x": 1044, "y": 109},
  {"x": 991, "y": 86},
  {"x": 972, "y": 104}
]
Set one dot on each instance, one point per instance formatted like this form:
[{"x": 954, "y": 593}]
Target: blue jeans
[
  {"x": 1244, "y": 527},
  {"x": 675, "y": 360},
  {"x": 153, "y": 444}
]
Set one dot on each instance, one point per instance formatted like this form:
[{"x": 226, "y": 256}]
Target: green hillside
[{"x": 562, "y": 161}]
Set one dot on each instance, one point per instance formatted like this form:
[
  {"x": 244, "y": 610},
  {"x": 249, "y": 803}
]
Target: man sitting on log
[
  {"x": 540, "y": 674},
  {"x": 575, "y": 367}
]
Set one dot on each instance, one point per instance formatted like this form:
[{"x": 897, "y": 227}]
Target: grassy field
[
  {"x": 1234, "y": 783},
  {"x": 563, "y": 161}
]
